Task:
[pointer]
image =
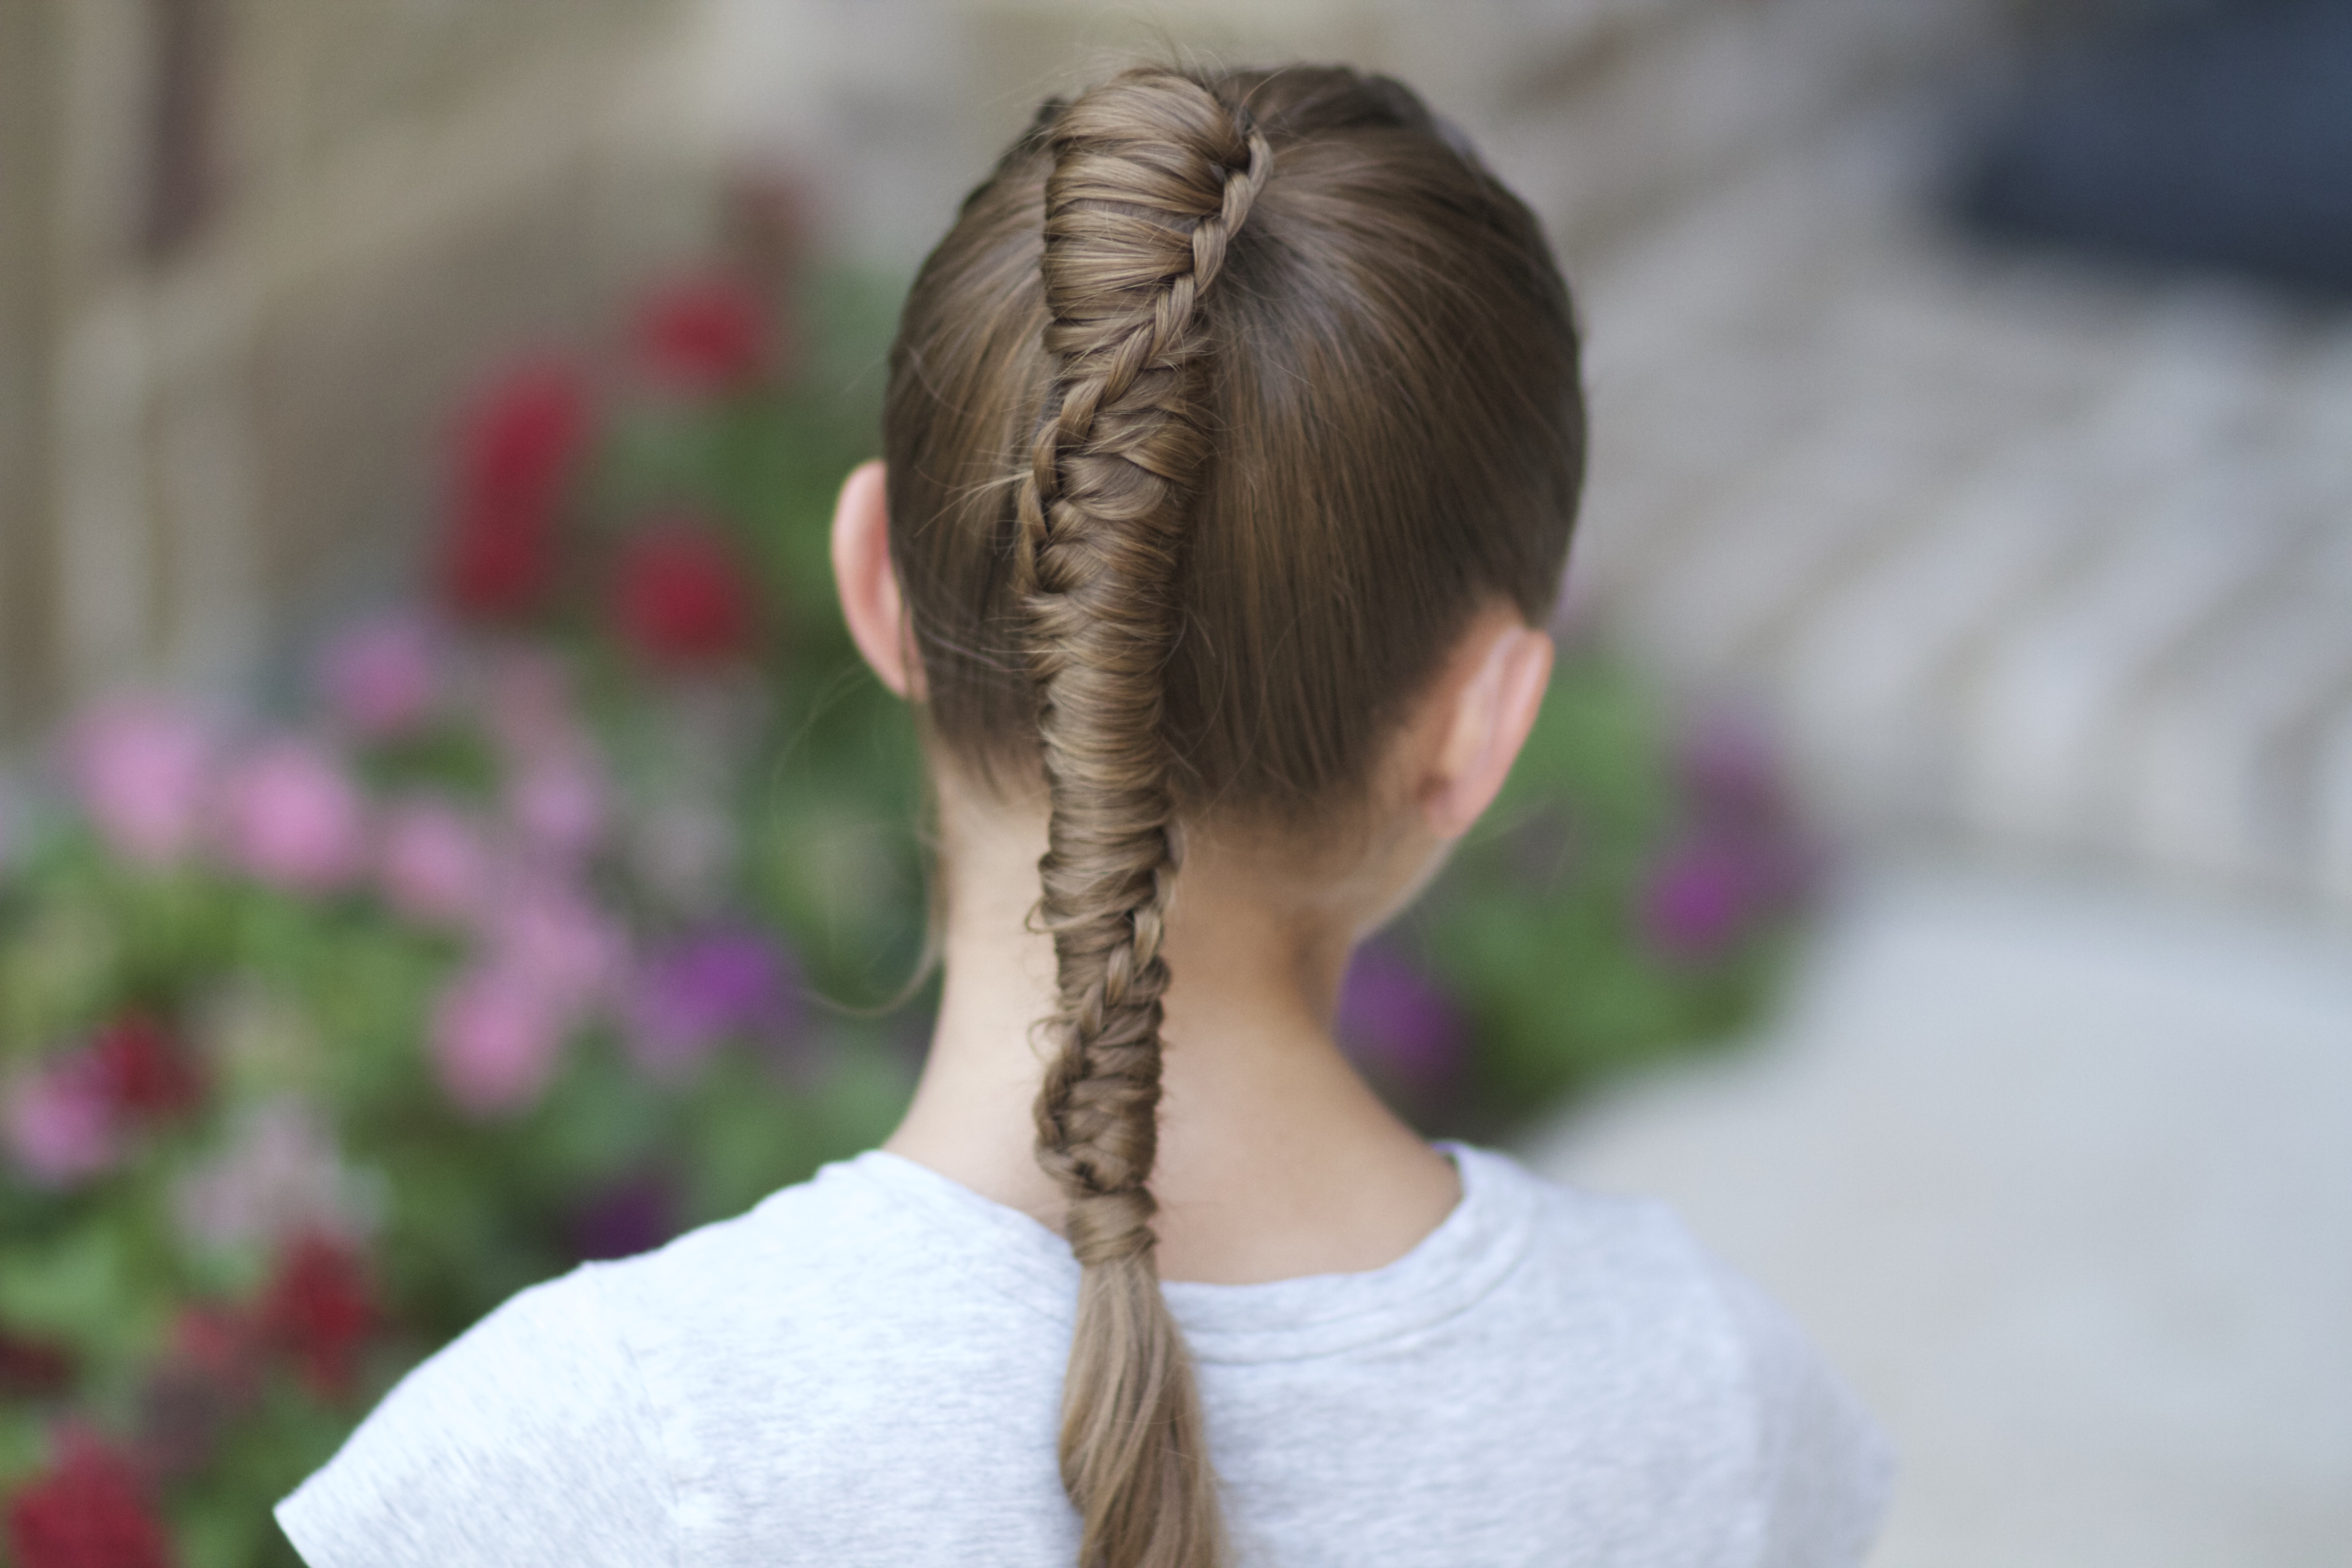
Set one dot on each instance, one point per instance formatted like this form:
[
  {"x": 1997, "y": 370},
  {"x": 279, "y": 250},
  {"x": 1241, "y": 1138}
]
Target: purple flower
[
  {"x": 1397, "y": 1022},
  {"x": 141, "y": 770},
  {"x": 496, "y": 1038},
  {"x": 290, "y": 816},
  {"x": 433, "y": 863},
  {"x": 723, "y": 984},
  {"x": 634, "y": 1214},
  {"x": 1698, "y": 897},
  {"x": 1742, "y": 858},
  {"x": 58, "y": 1120},
  {"x": 382, "y": 677}
]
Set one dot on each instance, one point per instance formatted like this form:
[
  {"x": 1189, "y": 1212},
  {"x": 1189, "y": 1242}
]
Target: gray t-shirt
[{"x": 866, "y": 1369}]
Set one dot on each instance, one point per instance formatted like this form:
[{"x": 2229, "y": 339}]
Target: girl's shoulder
[
  {"x": 1706, "y": 1360},
  {"x": 529, "y": 1439},
  {"x": 878, "y": 1320},
  {"x": 551, "y": 1431}
]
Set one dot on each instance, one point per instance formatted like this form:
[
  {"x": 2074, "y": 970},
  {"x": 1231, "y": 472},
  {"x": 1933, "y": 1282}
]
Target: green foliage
[
  {"x": 1538, "y": 925},
  {"x": 317, "y": 1022}
]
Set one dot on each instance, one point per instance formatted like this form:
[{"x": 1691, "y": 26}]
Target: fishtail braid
[{"x": 1152, "y": 176}]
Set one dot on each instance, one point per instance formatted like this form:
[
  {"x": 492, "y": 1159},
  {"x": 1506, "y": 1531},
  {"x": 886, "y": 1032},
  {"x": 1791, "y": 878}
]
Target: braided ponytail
[
  {"x": 1151, "y": 176},
  {"x": 1317, "y": 423}
]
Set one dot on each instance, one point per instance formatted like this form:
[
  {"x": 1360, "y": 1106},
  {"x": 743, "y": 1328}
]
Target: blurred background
[{"x": 443, "y": 835}]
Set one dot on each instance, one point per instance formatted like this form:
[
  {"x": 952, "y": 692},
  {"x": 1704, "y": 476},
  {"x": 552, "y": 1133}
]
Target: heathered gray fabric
[{"x": 866, "y": 1369}]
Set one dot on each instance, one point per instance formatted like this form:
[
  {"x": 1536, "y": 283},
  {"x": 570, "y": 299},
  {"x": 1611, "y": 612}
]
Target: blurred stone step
[
  {"x": 1866, "y": 690},
  {"x": 2008, "y": 549},
  {"x": 2209, "y": 768},
  {"x": 2043, "y": 710},
  {"x": 1817, "y": 511},
  {"x": 2329, "y": 867},
  {"x": 2054, "y": 1171}
]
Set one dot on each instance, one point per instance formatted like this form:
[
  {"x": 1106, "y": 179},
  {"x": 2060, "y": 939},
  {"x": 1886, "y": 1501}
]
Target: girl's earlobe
[
  {"x": 1492, "y": 712},
  {"x": 868, "y": 583}
]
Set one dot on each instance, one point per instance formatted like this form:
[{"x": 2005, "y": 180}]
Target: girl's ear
[
  {"x": 868, "y": 584},
  {"x": 1487, "y": 711}
]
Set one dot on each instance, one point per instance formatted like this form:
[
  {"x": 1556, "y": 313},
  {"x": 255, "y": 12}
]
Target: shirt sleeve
[
  {"x": 1824, "y": 1470},
  {"x": 530, "y": 1441}
]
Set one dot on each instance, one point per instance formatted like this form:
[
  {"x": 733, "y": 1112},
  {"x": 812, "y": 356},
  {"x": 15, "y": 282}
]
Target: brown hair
[{"x": 1227, "y": 401}]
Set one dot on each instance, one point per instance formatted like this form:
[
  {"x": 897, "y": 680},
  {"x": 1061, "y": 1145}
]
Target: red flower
[
  {"x": 703, "y": 334},
  {"x": 682, "y": 595},
  {"x": 516, "y": 447},
  {"x": 34, "y": 1369},
  {"x": 87, "y": 1510},
  {"x": 218, "y": 1342},
  {"x": 317, "y": 1309},
  {"x": 767, "y": 226},
  {"x": 147, "y": 1073}
]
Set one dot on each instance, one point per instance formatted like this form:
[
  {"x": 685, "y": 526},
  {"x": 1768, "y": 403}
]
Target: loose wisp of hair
[{"x": 1226, "y": 403}]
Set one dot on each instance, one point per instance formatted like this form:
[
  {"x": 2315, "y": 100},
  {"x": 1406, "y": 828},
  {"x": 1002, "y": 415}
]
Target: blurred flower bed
[{"x": 571, "y": 906}]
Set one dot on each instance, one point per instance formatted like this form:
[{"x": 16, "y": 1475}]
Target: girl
[{"x": 1232, "y": 440}]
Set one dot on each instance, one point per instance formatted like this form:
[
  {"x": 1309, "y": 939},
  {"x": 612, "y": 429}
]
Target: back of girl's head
[
  {"x": 1227, "y": 404},
  {"x": 1381, "y": 381}
]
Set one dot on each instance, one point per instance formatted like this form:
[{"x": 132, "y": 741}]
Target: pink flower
[
  {"x": 141, "y": 769},
  {"x": 549, "y": 936},
  {"x": 557, "y": 800},
  {"x": 556, "y": 790},
  {"x": 496, "y": 1038},
  {"x": 292, "y": 817},
  {"x": 59, "y": 1121},
  {"x": 500, "y": 1027},
  {"x": 279, "y": 1175},
  {"x": 433, "y": 862},
  {"x": 382, "y": 677}
]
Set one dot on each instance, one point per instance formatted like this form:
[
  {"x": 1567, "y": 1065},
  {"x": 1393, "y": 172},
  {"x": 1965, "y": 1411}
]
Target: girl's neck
[{"x": 1275, "y": 1159}]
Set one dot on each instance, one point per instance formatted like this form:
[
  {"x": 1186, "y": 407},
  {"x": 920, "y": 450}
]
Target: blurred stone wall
[
  {"x": 25, "y": 169},
  {"x": 1605, "y": 113},
  {"x": 251, "y": 249}
]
